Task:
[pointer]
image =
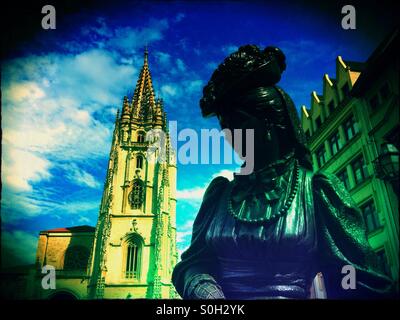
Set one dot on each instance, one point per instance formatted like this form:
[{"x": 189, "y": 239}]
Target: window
[
  {"x": 374, "y": 102},
  {"x": 393, "y": 137},
  {"x": 350, "y": 128},
  {"x": 140, "y": 137},
  {"x": 137, "y": 194},
  {"x": 385, "y": 91},
  {"x": 132, "y": 261},
  {"x": 370, "y": 215},
  {"x": 382, "y": 260},
  {"x": 334, "y": 143},
  {"x": 344, "y": 177},
  {"x": 139, "y": 162},
  {"x": 360, "y": 170},
  {"x": 345, "y": 90},
  {"x": 331, "y": 107},
  {"x": 76, "y": 258},
  {"x": 321, "y": 156},
  {"x": 317, "y": 123}
]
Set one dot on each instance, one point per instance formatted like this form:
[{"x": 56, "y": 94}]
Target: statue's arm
[
  {"x": 342, "y": 240},
  {"x": 194, "y": 277}
]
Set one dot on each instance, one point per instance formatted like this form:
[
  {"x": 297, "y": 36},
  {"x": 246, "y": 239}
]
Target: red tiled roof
[{"x": 72, "y": 229}]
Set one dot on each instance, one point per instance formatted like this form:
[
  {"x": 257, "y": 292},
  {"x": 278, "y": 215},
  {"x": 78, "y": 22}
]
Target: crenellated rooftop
[{"x": 335, "y": 93}]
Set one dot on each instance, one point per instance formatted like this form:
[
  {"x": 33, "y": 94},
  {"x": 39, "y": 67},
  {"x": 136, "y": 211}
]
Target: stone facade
[{"x": 347, "y": 127}]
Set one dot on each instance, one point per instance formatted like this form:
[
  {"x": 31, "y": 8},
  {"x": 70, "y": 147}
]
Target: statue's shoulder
[
  {"x": 215, "y": 188},
  {"x": 210, "y": 199},
  {"x": 284, "y": 94}
]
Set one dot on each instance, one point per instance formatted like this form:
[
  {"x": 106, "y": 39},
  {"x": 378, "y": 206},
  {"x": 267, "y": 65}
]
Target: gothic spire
[{"x": 143, "y": 100}]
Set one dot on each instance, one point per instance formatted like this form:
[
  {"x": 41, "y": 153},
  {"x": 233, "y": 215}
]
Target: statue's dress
[{"x": 307, "y": 223}]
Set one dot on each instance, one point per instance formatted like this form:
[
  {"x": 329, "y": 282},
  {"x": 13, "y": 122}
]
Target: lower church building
[{"x": 132, "y": 250}]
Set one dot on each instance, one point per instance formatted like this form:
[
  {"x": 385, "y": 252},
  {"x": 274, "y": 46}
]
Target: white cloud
[
  {"x": 194, "y": 86},
  {"x": 169, "y": 89},
  {"x": 127, "y": 38},
  {"x": 50, "y": 116},
  {"x": 224, "y": 173},
  {"x": 80, "y": 176},
  {"x": 54, "y": 119},
  {"x": 17, "y": 206},
  {"x": 163, "y": 59},
  {"x": 193, "y": 193},
  {"x": 183, "y": 236},
  {"x": 183, "y": 88},
  {"x": 83, "y": 219},
  {"x": 25, "y": 91},
  {"x": 79, "y": 206},
  {"x": 82, "y": 116},
  {"x": 26, "y": 206},
  {"x": 198, "y": 192},
  {"x": 21, "y": 168}
]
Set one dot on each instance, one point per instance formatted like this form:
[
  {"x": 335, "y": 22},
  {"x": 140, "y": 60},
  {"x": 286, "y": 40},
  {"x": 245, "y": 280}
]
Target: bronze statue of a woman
[{"x": 267, "y": 234}]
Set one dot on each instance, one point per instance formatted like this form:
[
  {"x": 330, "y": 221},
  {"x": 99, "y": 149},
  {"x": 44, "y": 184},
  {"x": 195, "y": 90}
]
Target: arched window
[
  {"x": 132, "y": 261},
  {"x": 140, "y": 136},
  {"x": 76, "y": 258},
  {"x": 137, "y": 194},
  {"x": 133, "y": 257},
  {"x": 139, "y": 162}
]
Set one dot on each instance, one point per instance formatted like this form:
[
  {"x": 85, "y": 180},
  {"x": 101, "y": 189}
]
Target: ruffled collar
[
  {"x": 266, "y": 194},
  {"x": 265, "y": 180}
]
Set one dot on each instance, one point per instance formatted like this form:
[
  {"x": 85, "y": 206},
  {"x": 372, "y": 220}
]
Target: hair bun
[
  {"x": 247, "y": 68},
  {"x": 278, "y": 53}
]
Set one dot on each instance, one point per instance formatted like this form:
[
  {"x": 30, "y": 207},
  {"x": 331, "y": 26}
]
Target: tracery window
[
  {"x": 132, "y": 262},
  {"x": 133, "y": 254},
  {"x": 137, "y": 194}
]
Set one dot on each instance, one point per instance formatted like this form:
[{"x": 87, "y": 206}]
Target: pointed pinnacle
[{"x": 146, "y": 55}]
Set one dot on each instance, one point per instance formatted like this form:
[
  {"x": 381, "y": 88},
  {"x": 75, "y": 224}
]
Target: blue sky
[{"x": 61, "y": 91}]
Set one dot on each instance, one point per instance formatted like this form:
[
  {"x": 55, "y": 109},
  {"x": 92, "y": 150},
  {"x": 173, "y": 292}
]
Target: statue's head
[
  {"x": 247, "y": 68},
  {"x": 242, "y": 95}
]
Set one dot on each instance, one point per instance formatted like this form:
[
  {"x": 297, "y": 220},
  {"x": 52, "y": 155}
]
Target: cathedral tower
[{"x": 134, "y": 249}]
